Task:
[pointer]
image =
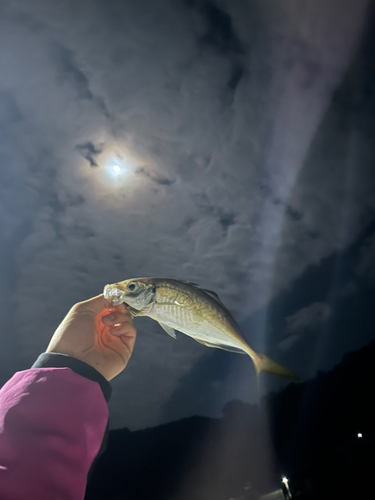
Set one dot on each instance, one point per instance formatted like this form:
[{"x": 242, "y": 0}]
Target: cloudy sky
[{"x": 243, "y": 132}]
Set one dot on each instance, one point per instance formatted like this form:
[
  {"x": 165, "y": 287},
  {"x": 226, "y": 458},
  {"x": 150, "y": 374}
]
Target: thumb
[{"x": 96, "y": 304}]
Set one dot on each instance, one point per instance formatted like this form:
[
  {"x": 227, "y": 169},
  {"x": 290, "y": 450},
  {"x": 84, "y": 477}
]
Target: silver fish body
[{"x": 198, "y": 313}]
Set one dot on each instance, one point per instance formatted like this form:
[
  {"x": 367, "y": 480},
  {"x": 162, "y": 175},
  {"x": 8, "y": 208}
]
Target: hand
[{"x": 102, "y": 337}]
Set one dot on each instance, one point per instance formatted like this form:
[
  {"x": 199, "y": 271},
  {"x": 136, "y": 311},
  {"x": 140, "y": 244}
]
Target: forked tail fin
[{"x": 264, "y": 364}]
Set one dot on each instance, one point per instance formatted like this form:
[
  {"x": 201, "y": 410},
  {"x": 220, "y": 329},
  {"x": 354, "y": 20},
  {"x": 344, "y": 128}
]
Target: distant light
[
  {"x": 116, "y": 169},
  {"x": 359, "y": 435},
  {"x": 285, "y": 480}
]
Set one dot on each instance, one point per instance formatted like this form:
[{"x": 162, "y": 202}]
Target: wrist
[{"x": 58, "y": 360}]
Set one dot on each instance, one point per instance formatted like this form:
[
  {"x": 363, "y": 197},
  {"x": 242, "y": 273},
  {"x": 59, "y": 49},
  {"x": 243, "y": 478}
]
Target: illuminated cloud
[
  {"x": 217, "y": 115},
  {"x": 308, "y": 317}
]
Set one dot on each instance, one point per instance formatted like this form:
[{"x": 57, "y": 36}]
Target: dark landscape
[{"x": 314, "y": 433}]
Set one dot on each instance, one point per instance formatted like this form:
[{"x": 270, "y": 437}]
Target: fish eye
[{"x": 132, "y": 286}]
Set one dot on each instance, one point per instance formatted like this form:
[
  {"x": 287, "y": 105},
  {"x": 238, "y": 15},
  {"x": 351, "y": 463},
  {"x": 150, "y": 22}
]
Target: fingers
[
  {"x": 118, "y": 316},
  {"x": 96, "y": 305},
  {"x": 124, "y": 329},
  {"x": 99, "y": 306},
  {"x": 120, "y": 323}
]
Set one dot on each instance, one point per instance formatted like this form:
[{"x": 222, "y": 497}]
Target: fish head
[{"x": 137, "y": 293}]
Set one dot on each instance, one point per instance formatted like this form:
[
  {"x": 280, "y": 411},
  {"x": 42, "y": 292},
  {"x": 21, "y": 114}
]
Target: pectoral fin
[
  {"x": 168, "y": 329},
  {"x": 221, "y": 346}
]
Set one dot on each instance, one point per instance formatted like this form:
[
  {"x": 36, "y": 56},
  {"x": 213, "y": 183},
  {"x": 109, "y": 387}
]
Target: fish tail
[{"x": 264, "y": 364}]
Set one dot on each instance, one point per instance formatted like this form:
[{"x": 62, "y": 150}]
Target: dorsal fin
[
  {"x": 213, "y": 295},
  {"x": 185, "y": 282}
]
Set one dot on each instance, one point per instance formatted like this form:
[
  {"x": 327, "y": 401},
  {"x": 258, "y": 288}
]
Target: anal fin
[
  {"x": 169, "y": 330},
  {"x": 221, "y": 346}
]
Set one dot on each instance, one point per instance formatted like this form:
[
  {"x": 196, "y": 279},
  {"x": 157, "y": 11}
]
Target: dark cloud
[
  {"x": 65, "y": 61},
  {"x": 293, "y": 214},
  {"x": 73, "y": 200},
  {"x": 89, "y": 151},
  {"x": 236, "y": 76},
  {"x": 162, "y": 181},
  {"x": 220, "y": 34},
  {"x": 227, "y": 220}
]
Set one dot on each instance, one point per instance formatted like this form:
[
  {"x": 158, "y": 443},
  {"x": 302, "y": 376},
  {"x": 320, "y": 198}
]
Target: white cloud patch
[
  {"x": 287, "y": 343},
  {"x": 307, "y": 319},
  {"x": 213, "y": 136}
]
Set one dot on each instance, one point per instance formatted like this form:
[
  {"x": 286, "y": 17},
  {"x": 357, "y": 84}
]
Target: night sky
[{"x": 244, "y": 135}]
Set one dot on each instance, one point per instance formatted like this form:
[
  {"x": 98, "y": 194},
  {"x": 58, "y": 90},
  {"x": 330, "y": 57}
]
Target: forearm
[{"x": 52, "y": 423}]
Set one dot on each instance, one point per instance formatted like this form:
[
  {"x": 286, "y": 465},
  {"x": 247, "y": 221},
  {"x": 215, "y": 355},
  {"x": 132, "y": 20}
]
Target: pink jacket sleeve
[{"x": 52, "y": 423}]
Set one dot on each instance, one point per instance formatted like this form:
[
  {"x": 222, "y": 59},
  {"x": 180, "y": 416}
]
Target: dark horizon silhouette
[{"x": 313, "y": 439}]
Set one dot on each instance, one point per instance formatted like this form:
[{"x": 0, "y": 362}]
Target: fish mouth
[{"x": 114, "y": 294}]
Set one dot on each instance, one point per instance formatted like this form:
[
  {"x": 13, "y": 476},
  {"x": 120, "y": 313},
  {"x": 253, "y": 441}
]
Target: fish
[{"x": 196, "y": 312}]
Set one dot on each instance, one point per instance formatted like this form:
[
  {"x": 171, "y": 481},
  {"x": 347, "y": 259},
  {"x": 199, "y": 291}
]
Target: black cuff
[{"x": 54, "y": 360}]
